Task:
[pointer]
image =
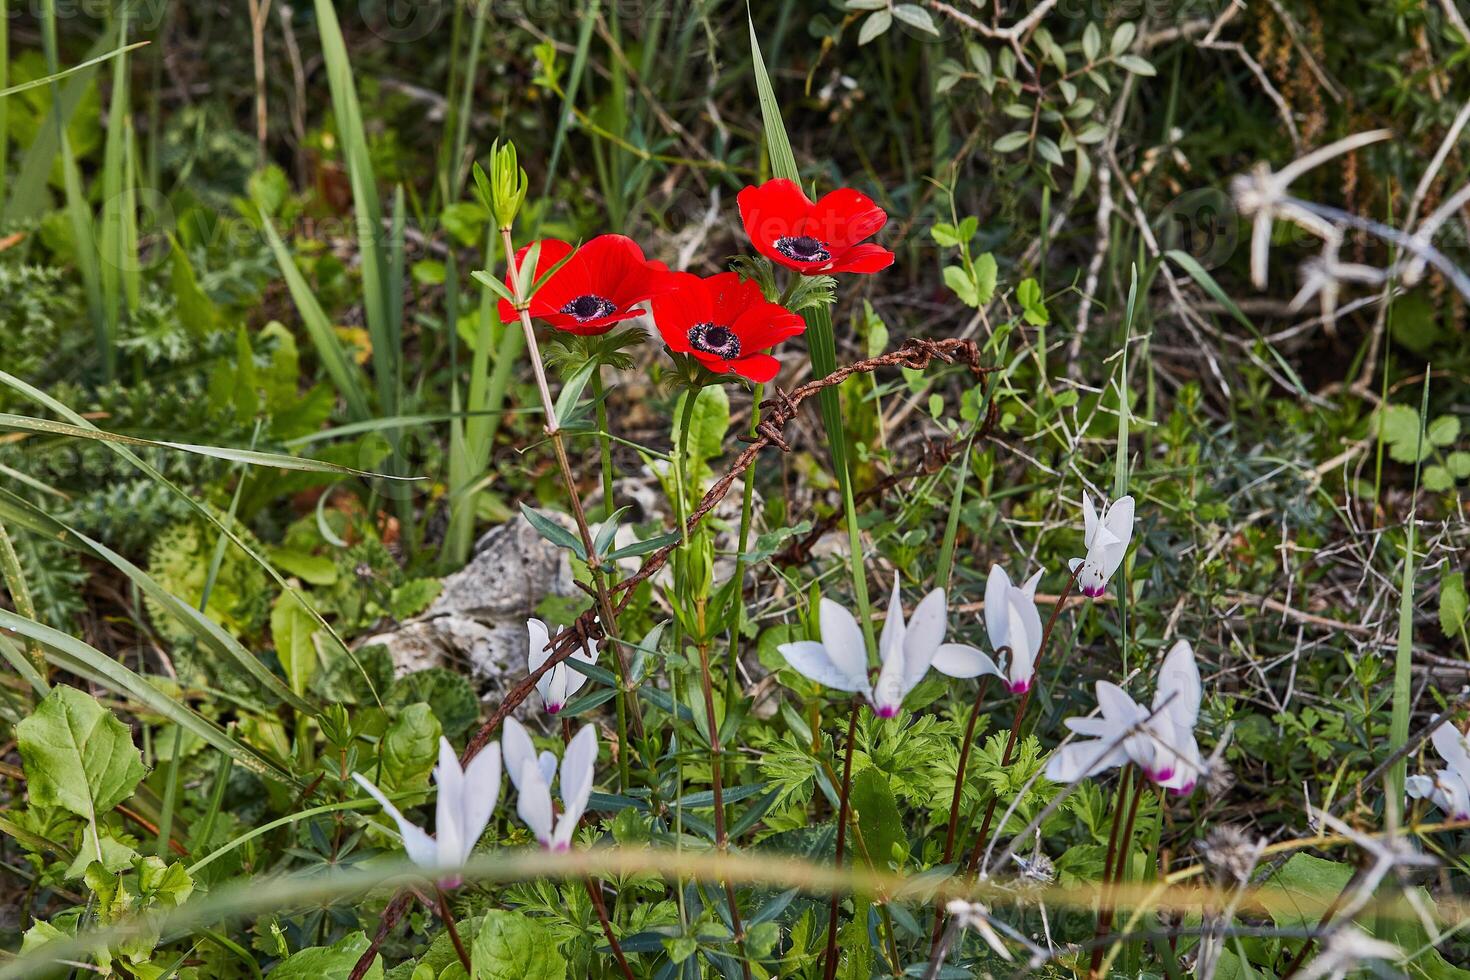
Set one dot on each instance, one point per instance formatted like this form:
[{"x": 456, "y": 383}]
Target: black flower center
[
  {"x": 589, "y": 307},
  {"x": 711, "y": 338},
  {"x": 803, "y": 248}
]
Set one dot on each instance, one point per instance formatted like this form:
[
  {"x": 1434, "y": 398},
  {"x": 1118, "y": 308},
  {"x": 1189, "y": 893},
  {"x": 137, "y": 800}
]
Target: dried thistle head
[{"x": 1230, "y": 853}]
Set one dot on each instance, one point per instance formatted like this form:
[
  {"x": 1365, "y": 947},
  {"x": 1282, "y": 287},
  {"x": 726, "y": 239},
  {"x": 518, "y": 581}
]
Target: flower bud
[{"x": 503, "y": 191}]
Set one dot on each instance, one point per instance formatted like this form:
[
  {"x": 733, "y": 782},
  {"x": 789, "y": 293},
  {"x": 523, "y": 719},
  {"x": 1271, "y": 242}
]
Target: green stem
[{"x": 747, "y": 507}]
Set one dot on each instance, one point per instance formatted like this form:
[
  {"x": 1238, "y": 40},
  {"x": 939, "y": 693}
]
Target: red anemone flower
[
  {"x": 786, "y": 227},
  {"x": 599, "y": 287},
  {"x": 723, "y": 323}
]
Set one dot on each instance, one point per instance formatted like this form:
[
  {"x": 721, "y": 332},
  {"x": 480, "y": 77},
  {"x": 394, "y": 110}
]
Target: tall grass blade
[
  {"x": 21, "y": 513},
  {"x": 40, "y": 397},
  {"x": 71, "y": 654},
  {"x": 1403, "y": 661},
  {"x": 821, "y": 341}
]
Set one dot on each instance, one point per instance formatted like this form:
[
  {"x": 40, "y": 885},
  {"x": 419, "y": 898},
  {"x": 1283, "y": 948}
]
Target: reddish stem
[{"x": 830, "y": 970}]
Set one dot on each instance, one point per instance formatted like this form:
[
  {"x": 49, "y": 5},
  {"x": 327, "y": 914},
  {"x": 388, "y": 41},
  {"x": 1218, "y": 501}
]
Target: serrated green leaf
[
  {"x": 77, "y": 755},
  {"x": 511, "y": 946}
]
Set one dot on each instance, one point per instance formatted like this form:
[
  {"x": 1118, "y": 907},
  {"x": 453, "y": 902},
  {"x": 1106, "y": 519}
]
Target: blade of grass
[
  {"x": 1207, "y": 282},
  {"x": 20, "y": 594},
  {"x": 821, "y": 342},
  {"x": 250, "y": 457},
  {"x": 22, "y": 513},
  {"x": 208, "y": 515},
  {"x": 1403, "y": 701},
  {"x": 70, "y": 653},
  {"x": 49, "y": 78}
]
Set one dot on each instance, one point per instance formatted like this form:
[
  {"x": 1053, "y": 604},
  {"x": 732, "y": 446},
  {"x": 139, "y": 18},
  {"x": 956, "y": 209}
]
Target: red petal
[
  {"x": 765, "y": 325},
  {"x": 684, "y": 303},
  {"x": 775, "y": 209},
  {"x": 759, "y": 368},
  {"x": 862, "y": 258},
  {"x": 844, "y": 217}
]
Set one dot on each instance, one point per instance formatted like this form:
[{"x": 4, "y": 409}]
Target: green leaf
[
  {"x": 77, "y": 755},
  {"x": 1012, "y": 141},
  {"x": 511, "y": 946},
  {"x": 1443, "y": 431},
  {"x": 196, "y": 310},
  {"x": 1453, "y": 601},
  {"x": 916, "y": 16},
  {"x": 409, "y": 749},
  {"x": 961, "y": 285},
  {"x": 1458, "y": 464},
  {"x": 413, "y": 597},
  {"x": 328, "y": 962},
  {"x": 1135, "y": 64},
  {"x": 292, "y": 631},
  {"x": 554, "y": 532},
  {"x": 1028, "y": 294},
  {"x": 874, "y": 26},
  {"x": 879, "y": 822},
  {"x": 1303, "y": 889},
  {"x": 985, "y": 274},
  {"x": 448, "y": 693}
]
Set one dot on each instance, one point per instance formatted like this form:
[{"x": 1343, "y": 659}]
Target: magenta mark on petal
[
  {"x": 1184, "y": 790},
  {"x": 1161, "y": 776},
  {"x": 886, "y": 711},
  {"x": 1020, "y": 687},
  {"x": 1094, "y": 592},
  {"x": 552, "y": 709},
  {"x": 451, "y": 883}
]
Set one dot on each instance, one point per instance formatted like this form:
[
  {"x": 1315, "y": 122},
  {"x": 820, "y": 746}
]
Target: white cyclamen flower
[
  {"x": 1159, "y": 741},
  {"x": 1106, "y": 538},
  {"x": 533, "y": 775},
  {"x": 1448, "y": 788},
  {"x": 1013, "y": 623},
  {"x": 905, "y": 650},
  {"x": 466, "y": 799},
  {"x": 558, "y": 684}
]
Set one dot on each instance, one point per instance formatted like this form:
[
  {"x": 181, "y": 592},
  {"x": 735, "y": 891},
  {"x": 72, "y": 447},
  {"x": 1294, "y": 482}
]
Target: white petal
[
  {"x": 1082, "y": 759},
  {"x": 1453, "y": 748},
  {"x": 1117, "y": 707},
  {"x": 539, "y": 644},
  {"x": 843, "y": 639},
  {"x": 1089, "y": 520},
  {"x": 894, "y": 628},
  {"x": 575, "y": 678},
  {"x": 554, "y": 696},
  {"x": 1119, "y": 522},
  {"x": 1023, "y": 657},
  {"x": 959, "y": 660},
  {"x": 420, "y": 847},
  {"x": 533, "y": 801},
  {"x": 1419, "y": 787},
  {"x": 516, "y": 746},
  {"x": 1456, "y": 791},
  {"x": 811, "y": 660},
  {"x": 481, "y": 791},
  {"x": 1094, "y": 726},
  {"x": 1030, "y": 615},
  {"x": 925, "y": 634},
  {"x": 449, "y": 807},
  {"x": 1029, "y": 586},
  {"x": 546, "y": 765},
  {"x": 888, "y": 690},
  {"x": 1180, "y": 690},
  {"x": 997, "y": 623},
  {"x": 577, "y": 768}
]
